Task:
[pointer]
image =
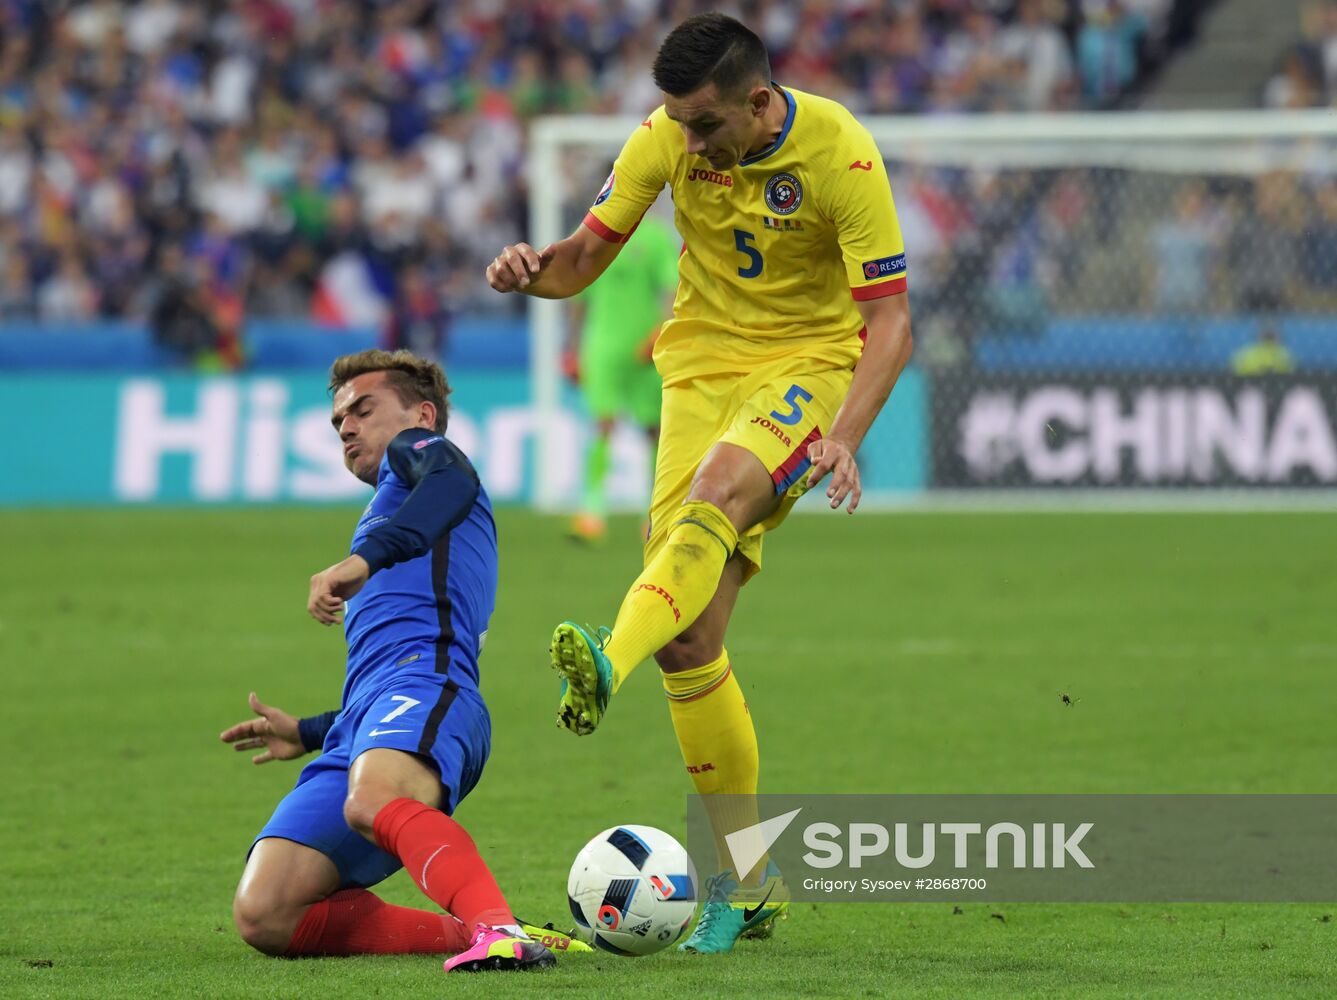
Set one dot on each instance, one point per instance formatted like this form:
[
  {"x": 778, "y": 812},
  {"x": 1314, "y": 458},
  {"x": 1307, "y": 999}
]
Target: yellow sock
[
  {"x": 719, "y": 747},
  {"x": 674, "y": 588}
]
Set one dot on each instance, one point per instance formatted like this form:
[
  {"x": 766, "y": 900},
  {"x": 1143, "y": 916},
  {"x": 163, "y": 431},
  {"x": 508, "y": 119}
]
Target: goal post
[{"x": 1109, "y": 305}]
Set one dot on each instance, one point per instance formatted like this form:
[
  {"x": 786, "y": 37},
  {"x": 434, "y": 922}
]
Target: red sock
[
  {"x": 441, "y": 858},
  {"x": 356, "y": 922}
]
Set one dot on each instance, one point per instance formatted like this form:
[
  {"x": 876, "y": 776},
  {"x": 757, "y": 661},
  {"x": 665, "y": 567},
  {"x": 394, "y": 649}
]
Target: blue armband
[{"x": 313, "y": 729}]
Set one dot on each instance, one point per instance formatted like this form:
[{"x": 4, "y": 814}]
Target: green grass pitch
[{"x": 915, "y": 653}]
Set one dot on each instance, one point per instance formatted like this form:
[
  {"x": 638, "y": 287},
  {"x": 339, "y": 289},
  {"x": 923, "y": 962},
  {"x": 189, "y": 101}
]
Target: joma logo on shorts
[
  {"x": 774, "y": 430},
  {"x": 714, "y": 176},
  {"x": 677, "y": 615}
]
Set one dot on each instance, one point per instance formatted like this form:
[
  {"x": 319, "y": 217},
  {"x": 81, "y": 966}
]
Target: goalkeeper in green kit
[{"x": 611, "y": 337}]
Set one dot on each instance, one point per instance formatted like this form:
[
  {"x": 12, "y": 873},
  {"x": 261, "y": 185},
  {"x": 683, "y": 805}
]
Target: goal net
[{"x": 1122, "y": 306}]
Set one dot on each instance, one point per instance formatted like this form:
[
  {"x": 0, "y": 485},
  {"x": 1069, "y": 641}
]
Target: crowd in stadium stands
[
  {"x": 1006, "y": 250},
  {"x": 1306, "y": 73},
  {"x": 188, "y": 164}
]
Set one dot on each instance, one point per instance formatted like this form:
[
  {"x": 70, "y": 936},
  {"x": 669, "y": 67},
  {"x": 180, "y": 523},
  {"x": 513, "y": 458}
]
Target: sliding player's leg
[
  {"x": 411, "y": 767},
  {"x": 302, "y": 891},
  {"x": 281, "y": 882}
]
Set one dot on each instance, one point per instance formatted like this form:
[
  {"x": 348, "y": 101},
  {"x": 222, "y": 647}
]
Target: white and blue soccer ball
[{"x": 633, "y": 889}]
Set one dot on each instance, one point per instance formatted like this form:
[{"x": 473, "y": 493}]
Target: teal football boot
[{"x": 730, "y": 913}]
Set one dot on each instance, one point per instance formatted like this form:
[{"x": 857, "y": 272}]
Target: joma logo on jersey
[
  {"x": 763, "y": 422},
  {"x": 713, "y": 176},
  {"x": 781, "y": 225},
  {"x": 677, "y": 615}
]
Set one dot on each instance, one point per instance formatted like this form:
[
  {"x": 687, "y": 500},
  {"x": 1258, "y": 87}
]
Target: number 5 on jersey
[
  {"x": 795, "y": 397},
  {"x": 753, "y": 255}
]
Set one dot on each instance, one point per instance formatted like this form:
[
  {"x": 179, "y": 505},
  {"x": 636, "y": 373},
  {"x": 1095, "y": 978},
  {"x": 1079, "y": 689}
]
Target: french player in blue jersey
[{"x": 414, "y": 594}]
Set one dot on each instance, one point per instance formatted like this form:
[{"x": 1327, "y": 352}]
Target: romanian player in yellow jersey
[{"x": 789, "y": 330}]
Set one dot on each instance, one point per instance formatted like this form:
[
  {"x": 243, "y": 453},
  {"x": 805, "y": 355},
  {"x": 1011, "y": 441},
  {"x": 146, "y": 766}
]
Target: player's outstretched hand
[
  {"x": 331, "y": 587},
  {"x": 515, "y": 265},
  {"x": 834, "y": 456},
  {"x": 275, "y": 730}
]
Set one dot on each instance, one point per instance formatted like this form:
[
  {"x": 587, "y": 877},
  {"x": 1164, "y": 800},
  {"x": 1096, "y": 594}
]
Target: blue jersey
[
  {"x": 414, "y": 633},
  {"x": 429, "y": 538}
]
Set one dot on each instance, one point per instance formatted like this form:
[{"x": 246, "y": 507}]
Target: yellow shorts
[{"x": 775, "y": 413}]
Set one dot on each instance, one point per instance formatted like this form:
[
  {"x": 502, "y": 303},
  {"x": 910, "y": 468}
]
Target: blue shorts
[{"x": 421, "y": 714}]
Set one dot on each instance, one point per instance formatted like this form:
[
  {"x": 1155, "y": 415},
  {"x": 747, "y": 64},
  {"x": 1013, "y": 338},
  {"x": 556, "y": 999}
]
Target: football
[{"x": 634, "y": 889}]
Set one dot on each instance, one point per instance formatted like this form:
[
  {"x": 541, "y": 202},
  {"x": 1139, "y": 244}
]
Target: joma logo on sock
[
  {"x": 774, "y": 430},
  {"x": 700, "y": 768},
  {"x": 677, "y": 615}
]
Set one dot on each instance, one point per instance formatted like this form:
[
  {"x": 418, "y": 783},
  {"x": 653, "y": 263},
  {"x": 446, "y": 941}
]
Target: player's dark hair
[
  {"x": 414, "y": 379},
  {"x": 710, "y": 48}
]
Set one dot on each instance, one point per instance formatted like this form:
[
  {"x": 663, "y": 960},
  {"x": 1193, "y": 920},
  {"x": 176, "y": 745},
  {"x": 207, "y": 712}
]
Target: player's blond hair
[{"x": 414, "y": 379}]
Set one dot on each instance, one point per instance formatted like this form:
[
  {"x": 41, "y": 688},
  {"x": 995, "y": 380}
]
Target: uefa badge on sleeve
[
  {"x": 784, "y": 194},
  {"x": 607, "y": 189}
]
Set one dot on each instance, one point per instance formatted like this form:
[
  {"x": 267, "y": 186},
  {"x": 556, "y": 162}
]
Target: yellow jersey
[{"x": 775, "y": 251}]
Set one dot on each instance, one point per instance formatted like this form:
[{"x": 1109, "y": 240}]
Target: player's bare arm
[
  {"x": 558, "y": 271},
  {"x": 884, "y": 358},
  {"x": 334, "y": 585},
  {"x": 275, "y": 730}
]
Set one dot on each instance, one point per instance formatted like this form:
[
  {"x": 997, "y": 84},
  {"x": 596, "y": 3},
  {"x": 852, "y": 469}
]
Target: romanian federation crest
[{"x": 784, "y": 194}]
